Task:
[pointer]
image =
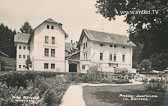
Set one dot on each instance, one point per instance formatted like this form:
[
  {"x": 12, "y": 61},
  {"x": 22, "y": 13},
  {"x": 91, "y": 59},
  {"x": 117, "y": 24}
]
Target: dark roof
[
  {"x": 74, "y": 56},
  {"x": 68, "y": 46},
  {"x": 107, "y": 37},
  {"x": 21, "y": 38},
  {"x": 52, "y": 21}
]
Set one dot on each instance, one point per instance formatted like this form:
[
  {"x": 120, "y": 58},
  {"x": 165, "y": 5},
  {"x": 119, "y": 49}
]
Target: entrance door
[{"x": 72, "y": 67}]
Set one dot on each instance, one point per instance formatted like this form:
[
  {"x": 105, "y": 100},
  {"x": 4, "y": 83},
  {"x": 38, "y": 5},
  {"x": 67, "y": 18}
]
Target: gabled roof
[
  {"x": 49, "y": 20},
  {"x": 106, "y": 37},
  {"x": 21, "y": 38},
  {"x": 25, "y": 38}
]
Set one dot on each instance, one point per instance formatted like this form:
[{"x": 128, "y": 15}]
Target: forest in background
[{"x": 7, "y": 41}]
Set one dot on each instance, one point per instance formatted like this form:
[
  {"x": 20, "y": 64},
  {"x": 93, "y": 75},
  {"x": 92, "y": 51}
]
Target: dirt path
[{"x": 73, "y": 96}]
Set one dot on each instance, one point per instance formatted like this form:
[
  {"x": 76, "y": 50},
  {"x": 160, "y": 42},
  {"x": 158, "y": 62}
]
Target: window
[
  {"x": 111, "y": 45},
  {"x": 48, "y": 27},
  {"x": 45, "y": 65},
  {"x": 115, "y": 46},
  {"x": 52, "y": 52},
  {"x": 83, "y": 45},
  {"x": 86, "y": 56},
  {"x": 20, "y": 56},
  {"x": 52, "y": 66},
  {"x": 110, "y": 57},
  {"x": 123, "y": 58},
  {"x": 28, "y": 47},
  {"x": 28, "y": 56},
  {"x": 115, "y": 57},
  {"x": 30, "y": 65},
  {"x": 86, "y": 44},
  {"x": 52, "y": 27},
  {"x": 20, "y": 47},
  {"x": 123, "y": 47},
  {"x": 53, "y": 40},
  {"x": 110, "y": 64},
  {"x": 24, "y": 56},
  {"x": 101, "y": 44},
  {"x": 46, "y": 39},
  {"x": 46, "y": 52},
  {"x": 101, "y": 56},
  {"x": 24, "y": 47},
  {"x": 20, "y": 66},
  {"x": 83, "y": 67}
]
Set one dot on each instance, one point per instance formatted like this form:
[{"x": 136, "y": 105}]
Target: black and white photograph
[{"x": 84, "y": 53}]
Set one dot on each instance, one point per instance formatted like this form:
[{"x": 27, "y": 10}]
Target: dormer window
[
  {"x": 48, "y": 27},
  {"x": 52, "y": 27}
]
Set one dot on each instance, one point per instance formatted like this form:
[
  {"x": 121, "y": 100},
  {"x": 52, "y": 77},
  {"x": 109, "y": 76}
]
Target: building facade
[
  {"x": 45, "y": 48},
  {"x": 104, "y": 50}
]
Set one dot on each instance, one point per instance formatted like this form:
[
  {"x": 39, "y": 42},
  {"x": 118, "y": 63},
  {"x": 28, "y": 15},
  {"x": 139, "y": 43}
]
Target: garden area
[
  {"x": 21, "y": 88},
  {"x": 32, "y": 88},
  {"x": 121, "y": 76}
]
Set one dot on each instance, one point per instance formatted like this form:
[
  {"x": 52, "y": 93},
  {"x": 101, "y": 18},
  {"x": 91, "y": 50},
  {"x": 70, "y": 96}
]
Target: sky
[{"x": 75, "y": 15}]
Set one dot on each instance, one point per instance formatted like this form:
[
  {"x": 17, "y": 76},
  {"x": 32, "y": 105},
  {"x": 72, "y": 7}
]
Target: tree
[
  {"x": 28, "y": 62},
  {"x": 160, "y": 60},
  {"x": 146, "y": 65},
  {"x": 147, "y": 30},
  {"x": 26, "y": 28},
  {"x": 7, "y": 41}
]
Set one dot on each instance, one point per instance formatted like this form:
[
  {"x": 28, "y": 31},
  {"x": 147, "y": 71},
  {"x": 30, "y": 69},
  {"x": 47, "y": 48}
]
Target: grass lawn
[{"x": 116, "y": 96}]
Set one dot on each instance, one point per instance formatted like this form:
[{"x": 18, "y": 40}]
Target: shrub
[
  {"x": 121, "y": 81},
  {"x": 49, "y": 89},
  {"x": 50, "y": 98},
  {"x": 83, "y": 78},
  {"x": 146, "y": 65},
  {"x": 156, "y": 85},
  {"x": 160, "y": 60},
  {"x": 93, "y": 74}
]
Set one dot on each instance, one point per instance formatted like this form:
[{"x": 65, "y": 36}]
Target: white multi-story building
[
  {"x": 106, "y": 50},
  {"x": 45, "y": 47}
]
